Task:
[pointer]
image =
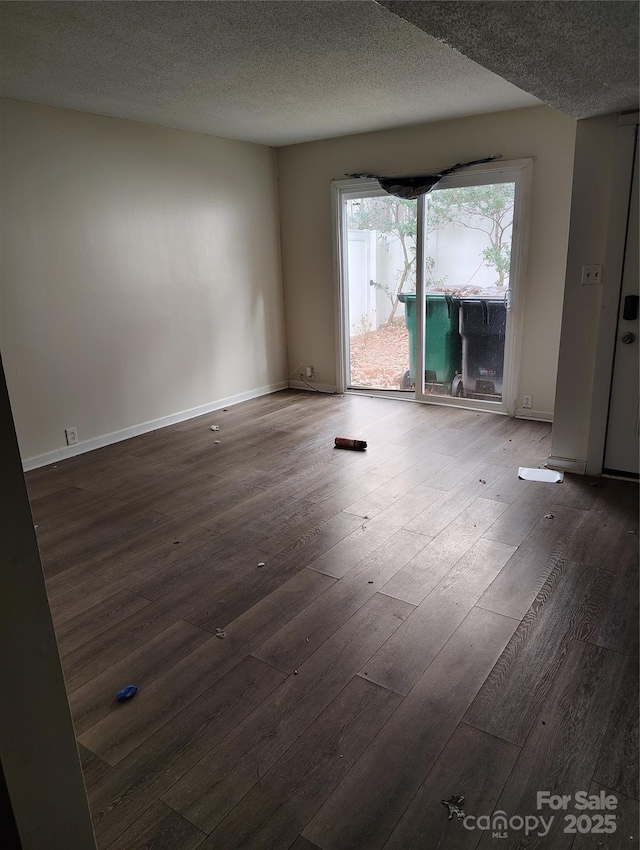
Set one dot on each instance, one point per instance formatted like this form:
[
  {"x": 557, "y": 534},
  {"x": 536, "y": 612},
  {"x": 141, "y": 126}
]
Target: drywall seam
[{"x": 135, "y": 430}]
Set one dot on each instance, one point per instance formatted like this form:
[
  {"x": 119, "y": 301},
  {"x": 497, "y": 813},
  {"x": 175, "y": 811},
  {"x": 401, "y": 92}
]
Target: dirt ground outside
[{"x": 380, "y": 358}]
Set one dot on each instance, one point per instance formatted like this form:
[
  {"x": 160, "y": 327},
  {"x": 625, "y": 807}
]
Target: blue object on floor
[{"x": 127, "y": 692}]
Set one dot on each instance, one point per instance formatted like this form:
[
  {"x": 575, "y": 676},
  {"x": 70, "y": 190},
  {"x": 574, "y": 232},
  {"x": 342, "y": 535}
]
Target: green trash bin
[{"x": 443, "y": 344}]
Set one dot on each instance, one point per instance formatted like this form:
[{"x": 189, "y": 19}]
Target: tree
[
  {"x": 394, "y": 219},
  {"x": 487, "y": 208}
]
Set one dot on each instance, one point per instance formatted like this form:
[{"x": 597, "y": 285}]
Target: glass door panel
[
  {"x": 466, "y": 265},
  {"x": 379, "y": 237}
]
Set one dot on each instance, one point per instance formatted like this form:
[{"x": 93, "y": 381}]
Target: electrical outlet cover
[{"x": 591, "y": 275}]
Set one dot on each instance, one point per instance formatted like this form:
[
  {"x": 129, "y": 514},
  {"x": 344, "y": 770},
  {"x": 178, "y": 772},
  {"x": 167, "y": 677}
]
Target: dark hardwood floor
[{"x": 402, "y": 625}]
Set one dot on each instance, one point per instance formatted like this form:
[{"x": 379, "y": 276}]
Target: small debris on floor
[
  {"x": 261, "y": 563},
  {"x": 217, "y": 442},
  {"x": 454, "y": 804},
  {"x": 350, "y": 443},
  {"x": 221, "y": 634},
  {"x": 128, "y": 692},
  {"x": 482, "y": 481},
  {"x": 175, "y": 542},
  {"x": 552, "y": 476},
  {"x": 295, "y": 672},
  {"x": 549, "y": 516},
  {"x": 369, "y": 582},
  {"x": 215, "y": 427},
  {"x": 632, "y": 532},
  {"x": 224, "y": 410}
]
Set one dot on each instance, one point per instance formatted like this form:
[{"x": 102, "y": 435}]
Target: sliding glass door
[{"x": 428, "y": 289}]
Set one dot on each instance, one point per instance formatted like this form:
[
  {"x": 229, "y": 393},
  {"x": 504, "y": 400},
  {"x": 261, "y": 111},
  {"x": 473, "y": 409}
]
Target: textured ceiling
[
  {"x": 580, "y": 56},
  {"x": 270, "y": 72}
]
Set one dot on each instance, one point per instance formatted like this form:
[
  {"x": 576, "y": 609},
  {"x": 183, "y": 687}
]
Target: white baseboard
[
  {"x": 537, "y": 415},
  {"x": 567, "y": 464},
  {"x": 135, "y": 430},
  {"x": 323, "y": 388}
]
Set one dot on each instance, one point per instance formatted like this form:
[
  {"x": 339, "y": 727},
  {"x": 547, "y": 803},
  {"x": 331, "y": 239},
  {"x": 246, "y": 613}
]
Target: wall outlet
[
  {"x": 72, "y": 436},
  {"x": 591, "y": 275},
  {"x": 309, "y": 371},
  {"x": 526, "y": 402}
]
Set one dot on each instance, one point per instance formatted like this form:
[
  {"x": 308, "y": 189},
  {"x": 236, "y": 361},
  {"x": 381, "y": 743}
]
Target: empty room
[{"x": 320, "y": 424}]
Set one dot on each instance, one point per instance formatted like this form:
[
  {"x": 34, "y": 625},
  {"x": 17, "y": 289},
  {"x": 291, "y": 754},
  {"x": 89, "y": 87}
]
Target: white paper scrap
[{"x": 549, "y": 475}]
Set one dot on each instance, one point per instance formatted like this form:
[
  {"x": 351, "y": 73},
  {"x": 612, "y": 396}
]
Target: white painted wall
[
  {"x": 305, "y": 174},
  {"x": 38, "y": 750},
  {"x": 140, "y": 272},
  {"x": 590, "y": 207}
]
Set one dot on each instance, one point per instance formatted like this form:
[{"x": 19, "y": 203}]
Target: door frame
[
  {"x": 611, "y": 289},
  {"x": 341, "y": 190},
  {"x": 518, "y": 171}
]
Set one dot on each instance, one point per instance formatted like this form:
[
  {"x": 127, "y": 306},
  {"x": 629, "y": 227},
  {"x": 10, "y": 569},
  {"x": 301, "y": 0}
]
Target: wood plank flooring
[{"x": 402, "y": 625}]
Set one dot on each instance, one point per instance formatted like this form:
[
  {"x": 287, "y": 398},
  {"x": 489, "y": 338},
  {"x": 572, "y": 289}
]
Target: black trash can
[{"x": 482, "y": 328}]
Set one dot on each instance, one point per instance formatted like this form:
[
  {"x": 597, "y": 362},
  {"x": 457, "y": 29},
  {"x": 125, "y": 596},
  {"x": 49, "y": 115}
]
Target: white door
[{"x": 621, "y": 450}]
